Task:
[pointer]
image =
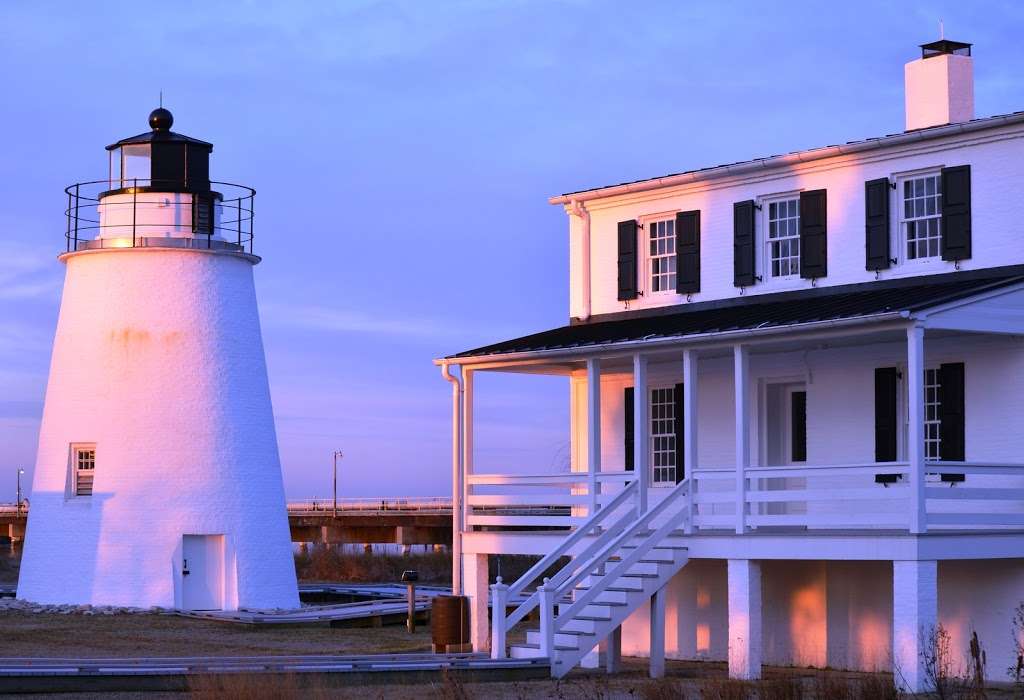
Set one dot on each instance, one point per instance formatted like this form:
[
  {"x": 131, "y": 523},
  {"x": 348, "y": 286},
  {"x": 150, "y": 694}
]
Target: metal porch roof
[{"x": 762, "y": 311}]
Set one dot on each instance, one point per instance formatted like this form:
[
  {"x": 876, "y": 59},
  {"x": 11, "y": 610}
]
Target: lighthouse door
[{"x": 202, "y": 572}]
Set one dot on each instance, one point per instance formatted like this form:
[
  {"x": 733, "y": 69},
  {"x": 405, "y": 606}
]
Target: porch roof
[{"x": 779, "y": 310}]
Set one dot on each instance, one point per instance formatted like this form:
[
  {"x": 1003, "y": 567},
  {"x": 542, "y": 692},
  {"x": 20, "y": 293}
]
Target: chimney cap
[{"x": 945, "y": 46}]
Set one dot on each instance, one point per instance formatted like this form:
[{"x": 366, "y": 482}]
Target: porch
[
  {"x": 773, "y": 436},
  {"x": 881, "y": 434}
]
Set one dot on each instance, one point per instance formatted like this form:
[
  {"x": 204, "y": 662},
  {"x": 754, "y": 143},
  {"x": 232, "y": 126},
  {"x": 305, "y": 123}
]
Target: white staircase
[{"x": 624, "y": 558}]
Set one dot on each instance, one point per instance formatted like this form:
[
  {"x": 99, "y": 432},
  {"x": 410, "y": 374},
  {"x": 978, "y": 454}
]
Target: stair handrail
[
  {"x": 501, "y": 623},
  {"x": 534, "y": 572},
  {"x": 622, "y": 566}
]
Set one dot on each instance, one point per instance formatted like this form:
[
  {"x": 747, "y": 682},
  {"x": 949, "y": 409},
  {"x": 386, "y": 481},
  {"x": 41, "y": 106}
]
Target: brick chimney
[{"x": 940, "y": 85}]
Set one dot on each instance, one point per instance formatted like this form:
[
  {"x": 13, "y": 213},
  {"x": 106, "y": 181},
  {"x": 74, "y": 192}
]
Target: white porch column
[
  {"x": 744, "y": 619},
  {"x": 741, "y": 377},
  {"x": 477, "y": 590},
  {"x": 467, "y": 439},
  {"x": 689, "y": 431},
  {"x": 593, "y": 431},
  {"x": 641, "y": 428},
  {"x": 457, "y": 512},
  {"x": 658, "y": 633},
  {"x": 915, "y": 616},
  {"x": 915, "y": 431}
]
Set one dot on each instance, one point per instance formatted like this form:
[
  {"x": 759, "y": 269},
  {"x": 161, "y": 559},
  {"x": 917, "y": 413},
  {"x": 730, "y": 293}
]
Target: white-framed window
[
  {"x": 782, "y": 237},
  {"x": 663, "y": 436},
  {"x": 83, "y": 468},
  {"x": 661, "y": 255},
  {"x": 932, "y": 415},
  {"x": 920, "y": 216}
]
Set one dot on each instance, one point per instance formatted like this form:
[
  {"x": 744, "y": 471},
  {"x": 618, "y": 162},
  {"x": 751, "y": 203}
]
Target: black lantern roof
[
  {"x": 160, "y": 160},
  {"x": 161, "y": 120},
  {"x": 945, "y": 46}
]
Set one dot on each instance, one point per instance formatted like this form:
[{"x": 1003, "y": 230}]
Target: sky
[{"x": 403, "y": 154}]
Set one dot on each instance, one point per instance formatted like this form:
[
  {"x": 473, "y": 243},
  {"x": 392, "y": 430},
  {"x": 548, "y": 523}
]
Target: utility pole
[
  {"x": 337, "y": 456},
  {"x": 20, "y": 472}
]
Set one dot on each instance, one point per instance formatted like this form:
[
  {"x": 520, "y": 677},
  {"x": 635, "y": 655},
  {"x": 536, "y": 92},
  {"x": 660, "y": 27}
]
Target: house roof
[
  {"x": 792, "y": 158},
  {"x": 763, "y": 311}
]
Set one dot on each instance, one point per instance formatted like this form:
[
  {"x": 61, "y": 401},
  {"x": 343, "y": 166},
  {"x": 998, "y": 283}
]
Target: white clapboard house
[{"x": 797, "y": 389}]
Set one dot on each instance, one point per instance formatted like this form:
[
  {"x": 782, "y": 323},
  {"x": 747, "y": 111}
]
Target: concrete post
[
  {"x": 658, "y": 633},
  {"x": 475, "y": 577},
  {"x": 613, "y": 651},
  {"x": 744, "y": 619},
  {"x": 915, "y": 618}
]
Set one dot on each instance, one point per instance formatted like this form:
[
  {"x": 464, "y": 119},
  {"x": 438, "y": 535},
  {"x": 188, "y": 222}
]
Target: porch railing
[{"x": 868, "y": 496}]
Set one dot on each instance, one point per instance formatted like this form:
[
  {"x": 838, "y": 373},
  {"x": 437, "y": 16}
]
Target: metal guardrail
[
  {"x": 424, "y": 506},
  {"x": 230, "y": 204}
]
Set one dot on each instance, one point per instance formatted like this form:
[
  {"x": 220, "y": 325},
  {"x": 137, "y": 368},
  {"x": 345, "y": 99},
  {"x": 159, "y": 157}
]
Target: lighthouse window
[
  {"x": 135, "y": 164},
  {"x": 84, "y": 463}
]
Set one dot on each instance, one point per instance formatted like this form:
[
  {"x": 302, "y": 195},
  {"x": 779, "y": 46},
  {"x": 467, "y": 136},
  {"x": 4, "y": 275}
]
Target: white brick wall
[
  {"x": 158, "y": 359},
  {"x": 997, "y": 169}
]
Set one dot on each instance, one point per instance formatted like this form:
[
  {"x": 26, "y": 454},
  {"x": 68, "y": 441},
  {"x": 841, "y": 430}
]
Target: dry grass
[{"x": 28, "y": 634}]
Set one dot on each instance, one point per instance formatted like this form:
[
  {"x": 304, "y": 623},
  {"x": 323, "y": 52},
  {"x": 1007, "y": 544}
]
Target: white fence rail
[{"x": 958, "y": 496}]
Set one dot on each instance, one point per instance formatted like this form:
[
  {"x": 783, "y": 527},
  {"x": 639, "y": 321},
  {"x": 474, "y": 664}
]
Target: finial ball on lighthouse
[{"x": 161, "y": 119}]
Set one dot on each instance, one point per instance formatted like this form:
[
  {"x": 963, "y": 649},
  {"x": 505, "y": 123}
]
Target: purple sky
[{"x": 403, "y": 153}]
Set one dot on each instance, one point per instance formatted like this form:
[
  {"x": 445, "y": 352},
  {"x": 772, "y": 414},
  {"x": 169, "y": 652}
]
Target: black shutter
[
  {"x": 627, "y": 260},
  {"x": 951, "y": 412},
  {"x": 956, "y": 213},
  {"x": 743, "y": 258},
  {"x": 876, "y": 224},
  {"x": 688, "y": 252},
  {"x": 886, "y": 388},
  {"x": 680, "y": 439},
  {"x": 813, "y": 234},
  {"x": 627, "y": 404},
  {"x": 798, "y": 426}
]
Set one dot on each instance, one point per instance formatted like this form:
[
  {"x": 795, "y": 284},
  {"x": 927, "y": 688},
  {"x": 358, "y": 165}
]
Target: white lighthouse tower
[{"x": 158, "y": 481}]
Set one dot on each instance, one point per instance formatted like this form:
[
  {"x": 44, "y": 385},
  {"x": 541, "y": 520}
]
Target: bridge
[
  {"x": 403, "y": 521},
  {"x": 391, "y": 520}
]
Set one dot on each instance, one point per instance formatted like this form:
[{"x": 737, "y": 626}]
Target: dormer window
[
  {"x": 921, "y": 216},
  {"x": 661, "y": 236},
  {"x": 783, "y": 237}
]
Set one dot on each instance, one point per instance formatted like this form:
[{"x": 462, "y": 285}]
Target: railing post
[
  {"x": 67, "y": 234},
  {"x": 499, "y": 605},
  {"x": 76, "y": 217},
  {"x": 689, "y": 434},
  {"x": 135, "y": 194},
  {"x": 915, "y": 429},
  {"x": 546, "y": 594},
  {"x": 741, "y": 363},
  {"x": 593, "y": 431}
]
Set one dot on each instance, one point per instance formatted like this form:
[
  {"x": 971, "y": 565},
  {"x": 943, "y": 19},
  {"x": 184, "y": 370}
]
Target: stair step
[
  {"x": 592, "y": 618},
  {"x": 558, "y": 647}
]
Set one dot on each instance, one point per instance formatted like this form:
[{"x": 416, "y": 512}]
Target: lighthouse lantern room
[{"x": 158, "y": 480}]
